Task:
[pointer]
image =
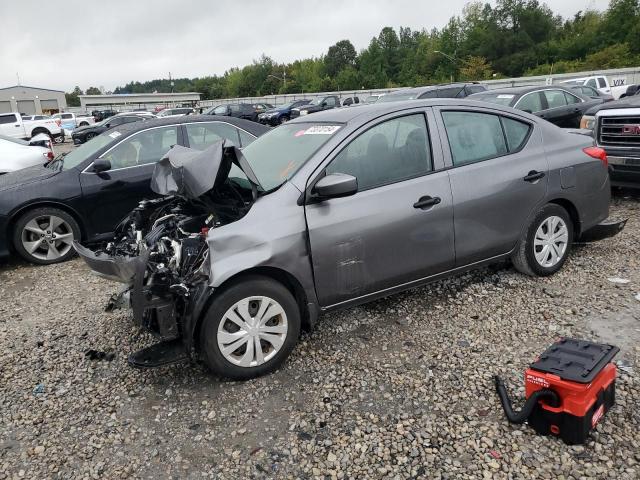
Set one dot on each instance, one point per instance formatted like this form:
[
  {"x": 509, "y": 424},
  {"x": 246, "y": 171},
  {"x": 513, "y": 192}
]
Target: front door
[
  {"x": 397, "y": 228},
  {"x": 496, "y": 182},
  {"x": 109, "y": 196}
]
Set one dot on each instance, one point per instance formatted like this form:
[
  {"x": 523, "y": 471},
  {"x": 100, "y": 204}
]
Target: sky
[{"x": 107, "y": 44}]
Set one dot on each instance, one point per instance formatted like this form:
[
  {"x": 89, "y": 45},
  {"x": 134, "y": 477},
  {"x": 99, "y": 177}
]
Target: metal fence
[{"x": 630, "y": 76}]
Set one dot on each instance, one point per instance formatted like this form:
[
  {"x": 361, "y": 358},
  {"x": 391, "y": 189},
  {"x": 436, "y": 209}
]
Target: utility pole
[{"x": 171, "y": 82}]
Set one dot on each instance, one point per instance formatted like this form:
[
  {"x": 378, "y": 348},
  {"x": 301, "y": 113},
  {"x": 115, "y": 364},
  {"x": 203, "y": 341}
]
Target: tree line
[{"x": 512, "y": 38}]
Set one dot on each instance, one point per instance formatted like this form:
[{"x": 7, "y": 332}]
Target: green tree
[
  {"x": 340, "y": 56},
  {"x": 72, "y": 98},
  {"x": 93, "y": 91}
]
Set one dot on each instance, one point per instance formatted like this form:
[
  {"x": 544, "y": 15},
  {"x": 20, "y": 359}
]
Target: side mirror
[
  {"x": 101, "y": 165},
  {"x": 336, "y": 185}
]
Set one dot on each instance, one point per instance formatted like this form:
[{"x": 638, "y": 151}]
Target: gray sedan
[{"x": 339, "y": 209}]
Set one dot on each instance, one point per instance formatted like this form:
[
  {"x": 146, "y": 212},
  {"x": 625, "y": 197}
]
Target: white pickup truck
[
  {"x": 615, "y": 88},
  {"x": 70, "y": 121},
  {"x": 12, "y": 125}
]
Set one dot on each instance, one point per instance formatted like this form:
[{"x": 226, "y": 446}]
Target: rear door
[
  {"x": 498, "y": 175},
  {"x": 109, "y": 196},
  {"x": 388, "y": 233}
]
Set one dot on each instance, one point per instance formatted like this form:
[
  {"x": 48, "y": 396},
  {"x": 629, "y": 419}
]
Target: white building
[
  {"x": 131, "y": 101},
  {"x": 31, "y": 100}
]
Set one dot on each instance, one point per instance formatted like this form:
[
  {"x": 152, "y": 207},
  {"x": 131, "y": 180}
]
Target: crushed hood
[{"x": 191, "y": 173}]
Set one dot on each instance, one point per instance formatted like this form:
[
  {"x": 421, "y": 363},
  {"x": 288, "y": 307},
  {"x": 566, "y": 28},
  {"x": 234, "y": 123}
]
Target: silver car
[{"x": 245, "y": 248}]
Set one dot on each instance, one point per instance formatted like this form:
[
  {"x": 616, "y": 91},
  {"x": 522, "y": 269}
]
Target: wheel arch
[
  {"x": 38, "y": 130},
  {"x": 571, "y": 209}
]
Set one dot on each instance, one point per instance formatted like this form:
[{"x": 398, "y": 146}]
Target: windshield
[
  {"x": 277, "y": 155},
  {"x": 80, "y": 154},
  {"x": 499, "y": 98},
  {"x": 286, "y": 105},
  {"x": 396, "y": 97}
]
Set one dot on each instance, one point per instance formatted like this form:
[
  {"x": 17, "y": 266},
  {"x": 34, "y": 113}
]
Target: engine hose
[{"x": 519, "y": 417}]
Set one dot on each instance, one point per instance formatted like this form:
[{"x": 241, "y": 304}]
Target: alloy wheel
[
  {"x": 252, "y": 331},
  {"x": 47, "y": 237},
  {"x": 550, "y": 242}
]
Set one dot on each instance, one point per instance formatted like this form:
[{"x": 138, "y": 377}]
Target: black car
[
  {"x": 317, "y": 105},
  {"x": 238, "y": 110},
  {"x": 85, "y": 194},
  {"x": 84, "y": 134},
  {"x": 280, "y": 114},
  {"x": 100, "y": 115},
  {"x": 448, "y": 90},
  {"x": 560, "y": 106}
]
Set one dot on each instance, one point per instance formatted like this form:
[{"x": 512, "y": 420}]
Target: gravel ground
[{"x": 400, "y": 388}]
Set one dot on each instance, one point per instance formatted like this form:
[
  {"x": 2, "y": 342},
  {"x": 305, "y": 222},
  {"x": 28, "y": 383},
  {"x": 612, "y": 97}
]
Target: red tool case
[
  {"x": 569, "y": 388},
  {"x": 585, "y": 379}
]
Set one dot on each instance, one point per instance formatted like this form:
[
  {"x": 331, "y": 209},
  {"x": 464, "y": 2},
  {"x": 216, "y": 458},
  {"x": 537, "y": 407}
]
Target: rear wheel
[
  {"x": 250, "y": 328},
  {"x": 89, "y": 136},
  {"x": 45, "y": 236},
  {"x": 546, "y": 244},
  {"x": 283, "y": 119}
]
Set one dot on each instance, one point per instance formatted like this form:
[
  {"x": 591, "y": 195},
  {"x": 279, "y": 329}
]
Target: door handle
[
  {"x": 426, "y": 202},
  {"x": 533, "y": 176}
]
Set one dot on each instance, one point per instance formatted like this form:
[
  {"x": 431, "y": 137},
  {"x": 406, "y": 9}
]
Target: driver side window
[
  {"x": 143, "y": 148},
  {"x": 389, "y": 152}
]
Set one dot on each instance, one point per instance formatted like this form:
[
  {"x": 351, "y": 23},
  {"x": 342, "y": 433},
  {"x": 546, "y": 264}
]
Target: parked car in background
[
  {"x": 316, "y": 105},
  {"x": 449, "y": 90},
  {"x": 321, "y": 198},
  {"x": 373, "y": 98},
  {"x": 85, "y": 193},
  {"x": 99, "y": 115},
  {"x": 262, "y": 107},
  {"x": 631, "y": 91},
  {"x": 237, "y": 110},
  {"x": 592, "y": 92},
  {"x": 600, "y": 82},
  {"x": 349, "y": 101},
  {"x": 175, "y": 112},
  {"x": 12, "y": 125},
  {"x": 30, "y": 118},
  {"x": 16, "y": 154},
  {"x": 280, "y": 114},
  {"x": 84, "y": 134},
  {"x": 558, "y": 105},
  {"x": 616, "y": 127},
  {"x": 69, "y": 120}
]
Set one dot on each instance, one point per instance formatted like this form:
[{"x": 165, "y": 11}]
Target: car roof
[
  {"x": 521, "y": 90},
  {"x": 428, "y": 88},
  {"x": 253, "y": 128},
  {"x": 366, "y": 112}
]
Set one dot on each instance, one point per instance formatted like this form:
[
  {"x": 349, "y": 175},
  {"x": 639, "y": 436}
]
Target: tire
[
  {"x": 36, "y": 243},
  {"x": 541, "y": 255},
  {"x": 89, "y": 136},
  {"x": 84, "y": 124},
  {"x": 58, "y": 139},
  {"x": 283, "y": 119},
  {"x": 218, "y": 331}
]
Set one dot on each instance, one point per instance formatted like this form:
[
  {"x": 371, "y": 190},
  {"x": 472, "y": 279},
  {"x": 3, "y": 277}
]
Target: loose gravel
[{"x": 400, "y": 388}]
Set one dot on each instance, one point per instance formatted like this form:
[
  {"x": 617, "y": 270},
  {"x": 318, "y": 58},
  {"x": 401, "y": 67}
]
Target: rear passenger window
[
  {"x": 7, "y": 119},
  {"x": 571, "y": 99},
  {"x": 203, "y": 135},
  {"x": 474, "y": 137},
  {"x": 516, "y": 133},
  {"x": 555, "y": 98},
  {"x": 390, "y": 152}
]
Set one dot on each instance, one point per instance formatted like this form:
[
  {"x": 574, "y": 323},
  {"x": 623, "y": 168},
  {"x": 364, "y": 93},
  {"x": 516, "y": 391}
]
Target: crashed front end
[{"x": 160, "y": 252}]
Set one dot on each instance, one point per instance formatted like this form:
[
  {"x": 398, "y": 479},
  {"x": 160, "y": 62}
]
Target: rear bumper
[{"x": 607, "y": 229}]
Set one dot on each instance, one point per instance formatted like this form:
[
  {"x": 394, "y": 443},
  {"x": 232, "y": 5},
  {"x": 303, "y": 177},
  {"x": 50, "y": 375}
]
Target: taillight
[
  {"x": 599, "y": 153},
  {"x": 58, "y": 122},
  {"x": 49, "y": 155}
]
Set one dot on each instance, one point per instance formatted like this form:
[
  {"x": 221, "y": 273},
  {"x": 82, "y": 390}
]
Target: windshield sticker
[
  {"x": 115, "y": 134},
  {"x": 506, "y": 96},
  {"x": 321, "y": 130}
]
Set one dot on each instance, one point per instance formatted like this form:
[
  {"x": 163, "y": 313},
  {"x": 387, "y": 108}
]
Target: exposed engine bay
[{"x": 159, "y": 251}]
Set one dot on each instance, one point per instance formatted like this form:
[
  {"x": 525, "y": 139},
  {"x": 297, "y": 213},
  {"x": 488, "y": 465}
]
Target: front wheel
[
  {"x": 250, "y": 328},
  {"x": 45, "y": 236},
  {"x": 546, "y": 244},
  {"x": 283, "y": 119}
]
